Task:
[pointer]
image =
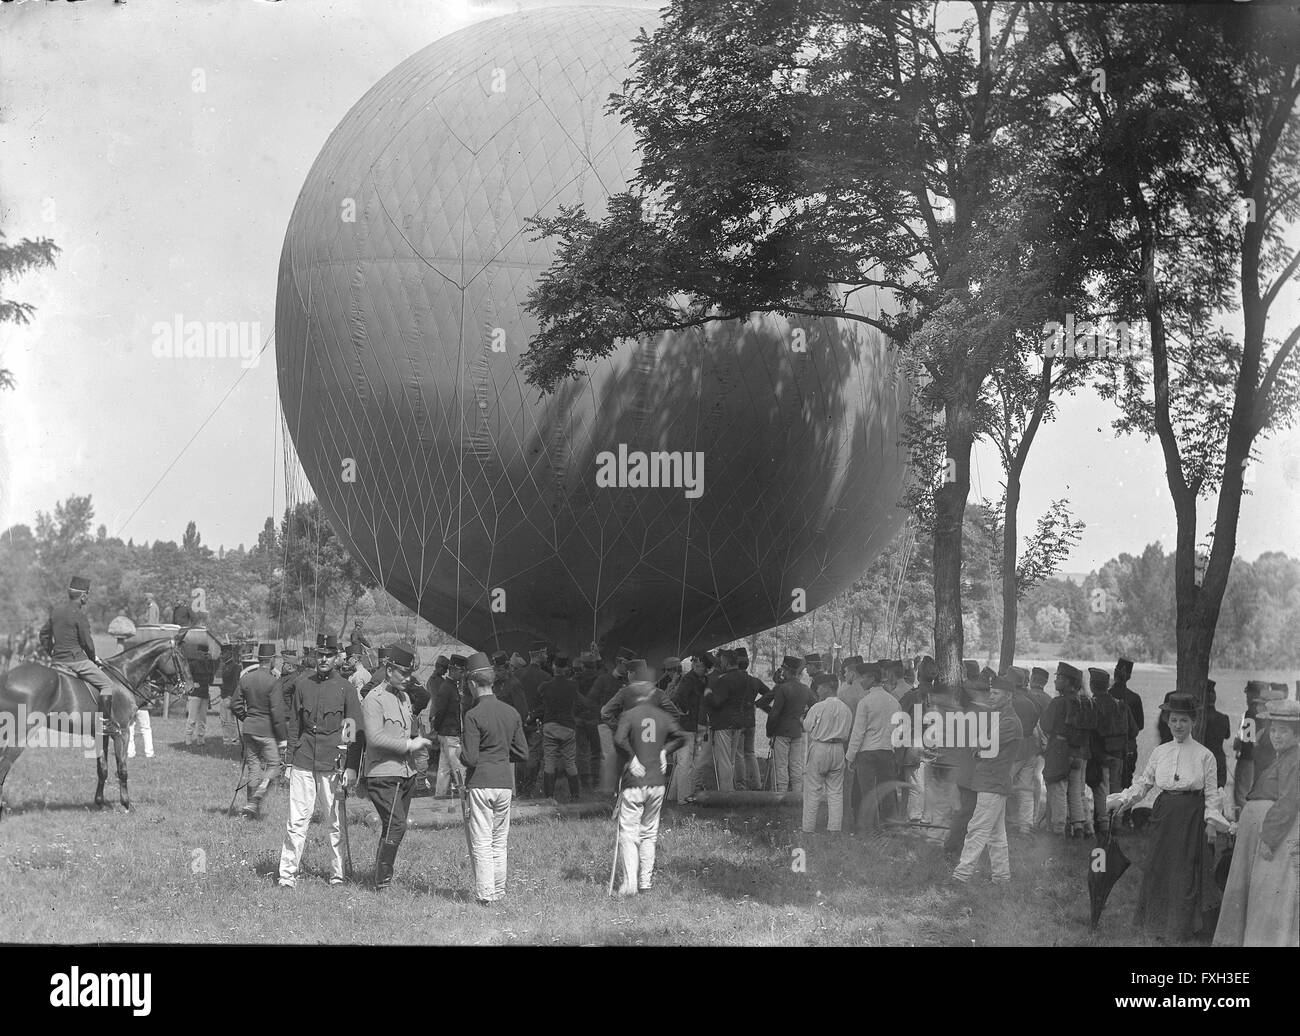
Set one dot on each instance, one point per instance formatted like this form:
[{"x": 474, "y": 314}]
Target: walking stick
[
  {"x": 341, "y": 793},
  {"x": 243, "y": 766},
  {"x": 459, "y": 782},
  {"x": 618, "y": 801}
]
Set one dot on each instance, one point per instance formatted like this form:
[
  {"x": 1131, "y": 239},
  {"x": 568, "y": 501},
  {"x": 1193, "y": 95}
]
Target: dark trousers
[
  {"x": 877, "y": 785},
  {"x": 391, "y": 797},
  {"x": 1130, "y": 765},
  {"x": 960, "y": 820},
  {"x": 588, "y": 751}
]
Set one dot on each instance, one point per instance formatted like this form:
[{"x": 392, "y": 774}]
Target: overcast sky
[{"x": 172, "y": 202}]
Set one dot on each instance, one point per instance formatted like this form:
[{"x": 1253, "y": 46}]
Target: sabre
[
  {"x": 618, "y": 801},
  {"x": 341, "y": 792}
]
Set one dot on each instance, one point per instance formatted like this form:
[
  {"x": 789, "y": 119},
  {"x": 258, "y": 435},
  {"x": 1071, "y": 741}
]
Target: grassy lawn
[{"x": 177, "y": 869}]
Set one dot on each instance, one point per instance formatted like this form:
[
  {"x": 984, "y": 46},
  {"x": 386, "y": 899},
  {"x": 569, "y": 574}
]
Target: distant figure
[
  {"x": 358, "y": 638},
  {"x": 196, "y": 705},
  {"x": 7, "y": 652},
  {"x": 151, "y": 614},
  {"x": 181, "y": 614}
]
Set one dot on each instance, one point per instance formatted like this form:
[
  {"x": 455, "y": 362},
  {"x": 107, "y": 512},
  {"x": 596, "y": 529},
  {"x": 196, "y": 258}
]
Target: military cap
[
  {"x": 537, "y": 648},
  {"x": 1038, "y": 676},
  {"x": 327, "y": 642},
  {"x": 812, "y": 657},
  {"x": 457, "y": 661},
  {"x": 351, "y": 651},
  {"x": 1283, "y": 711},
  {"x": 987, "y": 675},
  {"x": 79, "y": 584},
  {"x": 741, "y": 654},
  {"x": 852, "y": 660},
  {"x": 1065, "y": 669},
  {"x": 500, "y": 658},
  {"x": 791, "y": 663},
  {"x": 1020, "y": 674},
  {"x": 1098, "y": 679},
  {"x": 265, "y": 651},
  {"x": 1124, "y": 661},
  {"x": 383, "y": 652},
  {"x": 246, "y": 652},
  {"x": 477, "y": 662},
  {"x": 1006, "y": 682},
  {"x": 402, "y": 656}
]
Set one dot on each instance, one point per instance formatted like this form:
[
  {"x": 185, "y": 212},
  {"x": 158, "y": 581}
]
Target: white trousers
[
  {"x": 304, "y": 787},
  {"x": 638, "y": 832},
  {"x": 145, "y": 726},
  {"x": 489, "y": 832},
  {"x": 684, "y": 770},
  {"x": 987, "y": 829},
  {"x": 196, "y": 719},
  {"x": 448, "y": 761}
]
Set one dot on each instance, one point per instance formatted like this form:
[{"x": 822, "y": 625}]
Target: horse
[{"x": 33, "y": 687}]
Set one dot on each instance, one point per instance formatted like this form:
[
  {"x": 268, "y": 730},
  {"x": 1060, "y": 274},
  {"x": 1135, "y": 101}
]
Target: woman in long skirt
[
  {"x": 1261, "y": 903},
  {"x": 1170, "y": 903}
]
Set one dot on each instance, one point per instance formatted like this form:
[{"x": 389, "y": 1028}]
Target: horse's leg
[
  {"x": 119, "y": 749},
  {"x": 8, "y": 757},
  {"x": 101, "y": 765}
]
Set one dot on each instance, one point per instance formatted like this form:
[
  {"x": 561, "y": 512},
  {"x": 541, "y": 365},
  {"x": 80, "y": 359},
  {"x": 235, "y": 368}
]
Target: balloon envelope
[{"x": 489, "y": 508}]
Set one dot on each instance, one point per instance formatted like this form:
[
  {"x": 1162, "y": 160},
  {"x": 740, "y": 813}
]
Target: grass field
[{"x": 178, "y": 870}]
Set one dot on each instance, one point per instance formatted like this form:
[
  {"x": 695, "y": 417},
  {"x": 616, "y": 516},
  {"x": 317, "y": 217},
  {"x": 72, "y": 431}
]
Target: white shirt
[
  {"x": 1188, "y": 766},
  {"x": 873, "y": 723}
]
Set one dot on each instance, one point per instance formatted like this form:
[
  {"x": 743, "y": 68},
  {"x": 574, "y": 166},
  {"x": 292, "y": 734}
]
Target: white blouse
[{"x": 1172, "y": 766}]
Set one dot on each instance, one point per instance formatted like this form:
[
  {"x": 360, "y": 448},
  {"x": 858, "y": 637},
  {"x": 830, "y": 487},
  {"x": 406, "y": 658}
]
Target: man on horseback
[{"x": 66, "y": 636}]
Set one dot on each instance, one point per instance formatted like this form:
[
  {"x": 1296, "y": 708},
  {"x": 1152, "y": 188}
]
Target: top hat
[
  {"x": 265, "y": 651},
  {"x": 79, "y": 584},
  {"x": 1180, "y": 702},
  {"x": 402, "y": 656},
  {"x": 477, "y": 663},
  {"x": 792, "y": 663}
]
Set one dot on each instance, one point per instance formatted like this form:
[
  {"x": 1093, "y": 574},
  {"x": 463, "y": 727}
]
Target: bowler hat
[
  {"x": 79, "y": 584},
  {"x": 477, "y": 662},
  {"x": 1180, "y": 702}
]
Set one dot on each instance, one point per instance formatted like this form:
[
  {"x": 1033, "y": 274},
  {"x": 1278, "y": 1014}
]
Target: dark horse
[{"x": 140, "y": 675}]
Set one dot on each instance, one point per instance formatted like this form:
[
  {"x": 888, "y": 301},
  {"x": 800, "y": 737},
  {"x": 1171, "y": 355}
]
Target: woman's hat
[
  {"x": 1181, "y": 702},
  {"x": 1284, "y": 711}
]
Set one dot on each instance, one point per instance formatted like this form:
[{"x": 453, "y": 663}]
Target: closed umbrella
[{"x": 1105, "y": 868}]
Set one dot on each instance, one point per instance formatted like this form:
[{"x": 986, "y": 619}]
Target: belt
[
  {"x": 1182, "y": 791},
  {"x": 833, "y": 741}
]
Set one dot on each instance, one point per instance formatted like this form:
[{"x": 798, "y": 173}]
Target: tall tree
[
  {"x": 1190, "y": 163},
  {"x": 796, "y": 153},
  {"x": 16, "y": 260}
]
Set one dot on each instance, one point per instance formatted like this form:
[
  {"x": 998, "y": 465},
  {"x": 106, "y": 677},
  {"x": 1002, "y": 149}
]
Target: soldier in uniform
[
  {"x": 446, "y": 706},
  {"x": 790, "y": 700},
  {"x": 821, "y": 683},
  {"x": 557, "y": 700},
  {"x": 587, "y": 717},
  {"x": 318, "y": 705},
  {"x": 379, "y": 676},
  {"x": 603, "y": 688},
  {"x": 66, "y": 637},
  {"x": 391, "y": 746},
  {"x": 688, "y": 697},
  {"x": 494, "y": 737},
  {"x": 1064, "y": 728},
  {"x": 258, "y": 703},
  {"x": 358, "y": 638},
  {"x": 1122, "y": 691},
  {"x": 196, "y": 703},
  {"x": 746, "y": 754},
  {"x": 530, "y": 679},
  {"x": 647, "y": 735},
  {"x": 353, "y": 668}
]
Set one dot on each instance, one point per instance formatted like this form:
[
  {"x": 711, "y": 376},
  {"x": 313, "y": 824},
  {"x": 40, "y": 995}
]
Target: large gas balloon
[{"x": 501, "y": 515}]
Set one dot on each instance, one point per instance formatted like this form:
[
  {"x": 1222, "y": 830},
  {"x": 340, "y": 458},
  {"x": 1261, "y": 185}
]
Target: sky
[{"x": 162, "y": 144}]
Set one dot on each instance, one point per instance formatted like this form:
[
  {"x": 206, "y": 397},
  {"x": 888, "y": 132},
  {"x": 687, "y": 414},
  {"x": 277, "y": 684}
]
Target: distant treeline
[{"x": 297, "y": 579}]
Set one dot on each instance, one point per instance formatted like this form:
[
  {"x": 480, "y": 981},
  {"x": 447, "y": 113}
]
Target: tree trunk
[
  {"x": 1010, "y": 602},
  {"x": 949, "y": 513}
]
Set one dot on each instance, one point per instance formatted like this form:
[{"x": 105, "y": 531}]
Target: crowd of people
[{"x": 878, "y": 745}]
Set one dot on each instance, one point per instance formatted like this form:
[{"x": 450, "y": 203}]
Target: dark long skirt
[{"x": 1171, "y": 901}]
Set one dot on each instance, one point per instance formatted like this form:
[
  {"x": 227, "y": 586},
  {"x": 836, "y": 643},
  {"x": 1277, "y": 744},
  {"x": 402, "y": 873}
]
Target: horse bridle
[{"x": 143, "y": 700}]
